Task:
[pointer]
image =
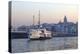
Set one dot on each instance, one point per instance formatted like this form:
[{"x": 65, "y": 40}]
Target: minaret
[
  {"x": 65, "y": 19},
  {"x": 65, "y": 24},
  {"x": 39, "y": 20}
]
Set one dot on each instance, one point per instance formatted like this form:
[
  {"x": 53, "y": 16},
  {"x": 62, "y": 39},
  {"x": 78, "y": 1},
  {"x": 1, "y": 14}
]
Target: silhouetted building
[
  {"x": 65, "y": 26},
  {"x": 22, "y": 28}
]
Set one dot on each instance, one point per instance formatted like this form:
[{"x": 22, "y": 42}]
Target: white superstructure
[{"x": 39, "y": 33}]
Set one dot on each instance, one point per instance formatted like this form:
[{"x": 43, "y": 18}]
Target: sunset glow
[{"x": 22, "y": 12}]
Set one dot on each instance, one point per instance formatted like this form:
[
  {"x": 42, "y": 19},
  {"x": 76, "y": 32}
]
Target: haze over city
[{"x": 22, "y": 12}]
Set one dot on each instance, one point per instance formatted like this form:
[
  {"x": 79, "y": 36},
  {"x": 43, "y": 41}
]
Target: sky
[{"x": 23, "y": 11}]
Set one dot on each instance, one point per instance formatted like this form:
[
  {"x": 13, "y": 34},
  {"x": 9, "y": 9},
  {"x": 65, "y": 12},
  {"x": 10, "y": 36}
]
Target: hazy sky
[{"x": 22, "y": 12}]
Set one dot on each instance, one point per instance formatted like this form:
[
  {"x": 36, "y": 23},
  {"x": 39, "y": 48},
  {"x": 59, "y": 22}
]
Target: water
[{"x": 56, "y": 43}]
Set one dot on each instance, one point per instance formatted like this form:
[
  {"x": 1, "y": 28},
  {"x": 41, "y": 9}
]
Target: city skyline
[{"x": 22, "y": 13}]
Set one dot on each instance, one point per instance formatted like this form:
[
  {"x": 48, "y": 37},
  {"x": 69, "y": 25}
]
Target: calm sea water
[{"x": 56, "y": 43}]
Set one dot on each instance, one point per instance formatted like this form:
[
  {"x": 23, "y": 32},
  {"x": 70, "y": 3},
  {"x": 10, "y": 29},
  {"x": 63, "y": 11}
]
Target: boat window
[{"x": 42, "y": 31}]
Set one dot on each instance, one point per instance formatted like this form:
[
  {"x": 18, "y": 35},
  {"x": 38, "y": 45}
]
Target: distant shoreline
[{"x": 25, "y": 35}]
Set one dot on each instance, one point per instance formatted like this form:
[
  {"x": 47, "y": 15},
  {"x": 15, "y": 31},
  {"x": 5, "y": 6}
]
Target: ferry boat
[{"x": 40, "y": 33}]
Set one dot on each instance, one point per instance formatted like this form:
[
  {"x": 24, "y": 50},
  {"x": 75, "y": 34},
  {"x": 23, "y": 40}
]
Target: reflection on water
[{"x": 56, "y": 43}]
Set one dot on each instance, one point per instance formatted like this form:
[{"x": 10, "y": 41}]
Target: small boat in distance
[{"x": 40, "y": 33}]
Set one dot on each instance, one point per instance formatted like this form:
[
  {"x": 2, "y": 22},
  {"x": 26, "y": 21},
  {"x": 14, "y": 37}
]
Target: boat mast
[
  {"x": 33, "y": 21},
  {"x": 39, "y": 20}
]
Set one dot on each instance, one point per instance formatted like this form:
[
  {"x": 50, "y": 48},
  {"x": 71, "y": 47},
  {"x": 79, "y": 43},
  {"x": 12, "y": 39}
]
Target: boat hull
[{"x": 41, "y": 38}]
